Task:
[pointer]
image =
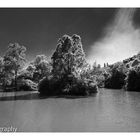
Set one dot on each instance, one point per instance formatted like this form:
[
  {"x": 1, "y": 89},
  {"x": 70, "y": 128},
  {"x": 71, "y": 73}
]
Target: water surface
[{"x": 107, "y": 111}]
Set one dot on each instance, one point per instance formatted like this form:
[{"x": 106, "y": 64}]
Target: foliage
[
  {"x": 25, "y": 74},
  {"x": 26, "y": 85},
  {"x": 42, "y": 68},
  {"x": 69, "y": 70},
  {"x": 14, "y": 60},
  {"x": 115, "y": 79},
  {"x": 68, "y": 57},
  {"x": 133, "y": 79},
  {"x": 1, "y": 71},
  {"x": 98, "y": 73},
  {"x": 53, "y": 87}
]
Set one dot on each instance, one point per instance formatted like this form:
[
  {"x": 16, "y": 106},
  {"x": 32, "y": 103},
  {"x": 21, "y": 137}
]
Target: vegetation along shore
[{"x": 67, "y": 72}]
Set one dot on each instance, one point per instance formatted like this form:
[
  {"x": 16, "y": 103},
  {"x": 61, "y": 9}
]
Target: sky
[{"x": 102, "y": 30}]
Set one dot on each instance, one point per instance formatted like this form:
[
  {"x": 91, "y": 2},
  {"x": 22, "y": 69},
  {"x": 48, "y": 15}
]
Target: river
[{"x": 106, "y": 111}]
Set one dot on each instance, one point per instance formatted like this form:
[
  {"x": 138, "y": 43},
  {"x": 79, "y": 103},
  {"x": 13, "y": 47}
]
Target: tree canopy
[
  {"x": 69, "y": 68},
  {"x": 14, "y": 59}
]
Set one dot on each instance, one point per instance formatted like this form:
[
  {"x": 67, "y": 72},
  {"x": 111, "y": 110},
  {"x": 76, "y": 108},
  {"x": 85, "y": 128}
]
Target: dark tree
[
  {"x": 69, "y": 70},
  {"x": 115, "y": 78},
  {"x": 133, "y": 79}
]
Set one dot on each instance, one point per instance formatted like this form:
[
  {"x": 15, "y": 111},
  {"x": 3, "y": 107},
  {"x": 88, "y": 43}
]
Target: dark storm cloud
[{"x": 39, "y": 29}]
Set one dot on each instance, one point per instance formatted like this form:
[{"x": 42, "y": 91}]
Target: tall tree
[
  {"x": 14, "y": 60},
  {"x": 69, "y": 57},
  {"x": 70, "y": 71}
]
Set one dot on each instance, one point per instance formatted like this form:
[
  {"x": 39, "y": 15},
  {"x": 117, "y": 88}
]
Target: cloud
[{"x": 121, "y": 39}]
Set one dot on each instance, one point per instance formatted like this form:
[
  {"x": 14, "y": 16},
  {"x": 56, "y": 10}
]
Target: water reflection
[{"x": 109, "y": 110}]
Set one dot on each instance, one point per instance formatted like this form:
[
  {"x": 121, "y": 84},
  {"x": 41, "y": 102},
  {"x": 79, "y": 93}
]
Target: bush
[
  {"x": 115, "y": 79},
  {"x": 133, "y": 79},
  {"x": 26, "y": 85},
  {"x": 66, "y": 86}
]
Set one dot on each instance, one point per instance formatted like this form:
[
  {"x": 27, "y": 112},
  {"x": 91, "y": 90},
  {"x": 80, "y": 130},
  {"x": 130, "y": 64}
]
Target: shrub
[
  {"x": 26, "y": 85},
  {"x": 115, "y": 79},
  {"x": 66, "y": 86},
  {"x": 133, "y": 79}
]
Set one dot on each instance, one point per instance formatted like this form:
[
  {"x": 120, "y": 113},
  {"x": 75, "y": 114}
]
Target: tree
[
  {"x": 69, "y": 74},
  {"x": 25, "y": 74},
  {"x": 69, "y": 57},
  {"x": 14, "y": 60},
  {"x": 115, "y": 78},
  {"x": 42, "y": 67},
  {"x": 30, "y": 68},
  {"x": 133, "y": 79}
]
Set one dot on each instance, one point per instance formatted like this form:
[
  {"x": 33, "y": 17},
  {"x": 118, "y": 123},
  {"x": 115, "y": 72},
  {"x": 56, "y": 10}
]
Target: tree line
[
  {"x": 67, "y": 73},
  {"x": 124, "y": 75},
  {"x": 16, "y": 73}
]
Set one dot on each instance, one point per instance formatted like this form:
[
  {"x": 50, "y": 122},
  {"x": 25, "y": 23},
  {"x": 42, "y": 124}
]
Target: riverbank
[{"x": 32, "y": 95}]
